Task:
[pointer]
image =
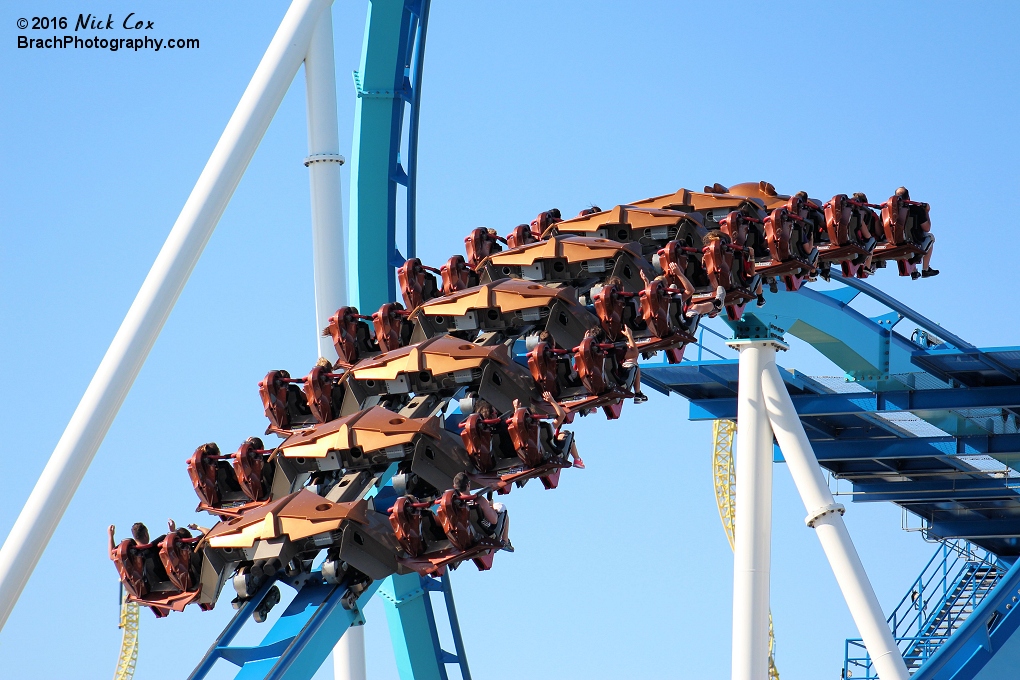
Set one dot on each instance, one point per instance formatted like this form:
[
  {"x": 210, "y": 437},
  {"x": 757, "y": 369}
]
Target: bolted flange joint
[
  {"x": 324, "y": 158},
  {"x": 821, "y": 512}
]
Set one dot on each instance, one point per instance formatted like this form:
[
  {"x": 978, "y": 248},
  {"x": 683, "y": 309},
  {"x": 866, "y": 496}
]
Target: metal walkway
[{"x": 928, "y": 422}]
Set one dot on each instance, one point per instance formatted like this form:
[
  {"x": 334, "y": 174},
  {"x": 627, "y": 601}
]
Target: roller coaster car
[
  {"x": 169, "y": 573},
  {"x": 540, "y": 226},
  {"x": 439, "y": 366},
  {"x": 508, "y": 307},
  {"x": 788, "y": 236},
  {"x": 392, "y": 329},
  {"x": 480, "y": 244},
  {"x": 352, "y": 337},
  {"x": 576, "y": 261},
  {"x": 324, "y": 393},
  {"x": 713, "y": 206},
  {"x": 417, "y": 283},
  {"x": 651, "y": 228},
  {"x": 456, "y": 275},
  {"x": 286, "y": 535},
  {"x": 513, "y": 450},
  {"x": 451, "y": 536},
  {"x": 227, "y": 485},
  {"x": 845, "y": 222},
  {"x": 906, "y": 242}
]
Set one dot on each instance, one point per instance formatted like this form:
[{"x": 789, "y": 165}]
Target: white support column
[
  {"x": 349, "y": 655},
  {"x": 752, "y": 547},
  {"x": 826, "y": 517},
  {"x": 328, "y": 251},
  {"x": 151, "y": 307},
  {"x": 324, "y": 161}
]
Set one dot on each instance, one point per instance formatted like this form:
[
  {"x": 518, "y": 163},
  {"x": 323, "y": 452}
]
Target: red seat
[
  {"x": 524, "y": 431},
  {"x": 405, "y": 518},
  {"x": 655, "y": 301},
  {"x": 343, "y": 329},
  {"x": 541, "y": 224},
  {"x": 609, "y": 305},
  {"x": 454, "y": 517},
  {"x": 417, "y": 284},
  {"x": 456, "y": 275},
  {"x": 318, "y": 388},
  {"x": 130, "y": 564},
  {"x": 273, "y": 390},
  {"x": 716, "y": 259},
  {"x": 388, "y": 322},
  {"x": 520, "y": 236},
  {"x": 479, "y": 244},
  {"x": 250, "y": 467},
  {"x": 477, "y": 437},
  {"x": 175, "y": 552},
  {"x": 590, "y": 364},
  {"x": 202, "y": 471},
  {"x": 542, "y": 364}
]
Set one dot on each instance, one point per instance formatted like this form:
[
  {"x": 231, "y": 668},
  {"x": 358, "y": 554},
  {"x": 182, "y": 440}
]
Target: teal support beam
[
  {"x": 384, "y": 88},
  {"x": 412, "y": 628},
  {"x": 866, "y": 349}
]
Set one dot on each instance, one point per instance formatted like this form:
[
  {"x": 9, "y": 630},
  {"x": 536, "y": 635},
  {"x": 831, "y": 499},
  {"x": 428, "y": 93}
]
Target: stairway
[
  {"x": 948, "y": 590},
  {"x": 975, "y": 580}
]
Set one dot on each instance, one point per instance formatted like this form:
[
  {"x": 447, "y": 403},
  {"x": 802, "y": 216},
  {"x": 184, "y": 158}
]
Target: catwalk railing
[{"x": 947, "y": 591}]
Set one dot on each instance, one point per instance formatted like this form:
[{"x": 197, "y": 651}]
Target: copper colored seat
[
  {"x": 454, "y": 517},
  {"x": 417, "y": 284},
  {"x": 541, "y": 224},
  {"x": 250, "y": 468},
  {"x": 456, "y": 275},
  {"x": 655, "y": 299},
  {"x": 202, "y": 471},
  {"x": 590, "y": 364},
  {"x": 479, "y": 244},
  {"x": 543, "y": 365},
  {"x": 350, "y": 334},
  {"x": 175, "y": 552},
  {"x": 405, "y": 518},
  {"x": 609, "y": 303},
  {"x": 388, "y": 323},
  {"x": 520, "y": 236},
  {"x": 476, "y": 434},
  {"x": 524, "y": 430}
]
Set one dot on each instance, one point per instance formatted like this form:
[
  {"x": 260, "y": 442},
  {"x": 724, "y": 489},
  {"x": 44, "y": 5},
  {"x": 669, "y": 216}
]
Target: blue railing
[{"x": 949, "y": 588}]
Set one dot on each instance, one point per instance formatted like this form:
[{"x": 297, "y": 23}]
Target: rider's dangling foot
[
  {"x": 761, "y": 300},
  {"x": 915, "y": 275},
  {"x": 640, "y": 398},
  {"x": 507, "y": 546},
  {"x": 929, "y": 272}
]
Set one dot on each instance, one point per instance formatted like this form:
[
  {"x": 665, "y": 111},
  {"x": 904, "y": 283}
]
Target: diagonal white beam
[
  {"x": 162, "y": 286},
  {"x": 825, "y": 516}
]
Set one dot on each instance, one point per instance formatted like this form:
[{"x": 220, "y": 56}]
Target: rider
[
  {"x": 495, "y": 521},
  {"x": 922, "y": 232}
]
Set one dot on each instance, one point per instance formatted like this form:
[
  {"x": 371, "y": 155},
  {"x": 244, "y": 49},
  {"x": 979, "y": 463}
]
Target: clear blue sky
[{"x": 622, "y": 572}]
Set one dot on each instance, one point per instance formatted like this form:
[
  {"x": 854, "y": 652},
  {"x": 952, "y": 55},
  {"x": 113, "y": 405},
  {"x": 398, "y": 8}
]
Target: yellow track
[
  {"x": 129, "y": 641},
  {"x": 723, "y": 473}
]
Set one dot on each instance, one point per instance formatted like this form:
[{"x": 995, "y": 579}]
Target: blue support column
[
  {"x": 384, "y": 87},
  {"x": 412, "y": 621},
  {"x": 413, "y": 628}
]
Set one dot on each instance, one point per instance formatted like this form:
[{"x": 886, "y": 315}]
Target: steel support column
[
  {"x": 324, "y": 161},
  {"x": 826, "y": 517},
  {"x": 753, "y": 517}
]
